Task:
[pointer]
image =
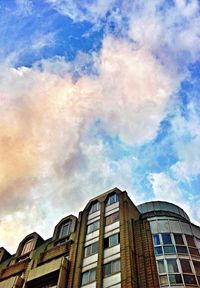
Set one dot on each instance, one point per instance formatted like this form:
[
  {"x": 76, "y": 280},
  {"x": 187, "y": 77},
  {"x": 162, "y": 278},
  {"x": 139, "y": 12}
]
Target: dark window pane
[
  {"x": 93, "y": 226},
  {"x": 197, "y": 267},
  {"x": 185, "y": 265},
  {"x": 158, "y": 250},
  {"x": 189, "y": 279},
  {"x": 178, "y": 239},
  {"x": 169, "y": 250},
  {"x": 198, "y": 278},
  {"x": 156, "y": 239},
  {"x": 175, "y": 278},
  {"x": 181, "y": 249},
  {"x": 193, "y": 251},
  {"x": 172, "y": 266},
  {"x": 106, "y": 242},
  {"x": 190, "y": 240},
  {"x": 166, "y": 237},
  {"x": 107, "y": 269}
]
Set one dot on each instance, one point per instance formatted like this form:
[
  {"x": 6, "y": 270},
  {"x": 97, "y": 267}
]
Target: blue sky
[{"x": 93, "y": 95}]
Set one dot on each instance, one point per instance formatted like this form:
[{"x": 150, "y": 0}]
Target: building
[{"x": 112, "y": 243}]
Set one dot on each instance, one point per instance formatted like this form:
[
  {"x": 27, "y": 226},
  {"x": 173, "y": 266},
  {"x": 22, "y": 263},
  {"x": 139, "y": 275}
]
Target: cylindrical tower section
[{"x": 176, "y": 244}]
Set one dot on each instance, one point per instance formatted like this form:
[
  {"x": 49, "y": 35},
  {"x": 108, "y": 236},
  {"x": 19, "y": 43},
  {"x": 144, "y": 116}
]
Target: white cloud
[{"x": 186, "y": 136}]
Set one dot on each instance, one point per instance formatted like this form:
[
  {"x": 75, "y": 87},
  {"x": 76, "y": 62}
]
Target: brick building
[{"x": 112, "y": 243}]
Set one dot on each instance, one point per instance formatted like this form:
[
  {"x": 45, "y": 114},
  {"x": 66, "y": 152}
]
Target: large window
[
  {"x": 111, "y": 241},
  {"x": 64, "y": 229},
  {"x": 185, "y": 265},
  {"x": 113, "y": 198},
  {"x": 172, "y": 269},
  {"x": 94, "y": 207},
  {"x": 112, "y": 218},
  {"x": 111, "y": 268},
  {"x": 88, "y": 276},
  {"x": 93, "y": 227},
  {"x": 28, "y": 246},
  {"x": 91, "y": 249}
]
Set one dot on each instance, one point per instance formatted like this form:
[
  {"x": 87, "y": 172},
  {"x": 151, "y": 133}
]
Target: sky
[{"x": 96, "y": 94}]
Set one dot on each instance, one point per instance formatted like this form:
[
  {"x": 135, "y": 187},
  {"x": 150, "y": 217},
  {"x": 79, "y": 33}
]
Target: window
[
  {"x": 190, "y": 240},
  {"x": 197, "y": 242},
  {"x": 94, "y": 207},
  {"x": 185, "y": 265},
  {"x": 112, "y": 218},
  {"x": 156, "y": 239},
  {"x": 169, "y": 249},
  {"x": 197, "y": 267},
  {"x": 189, "y": 279},
  {"x": 172, "y": 266},
  {"x": 161, "y": 266},
  {"x": 163, "y": 280},
  {"x": 178, "y": 239},
  {"x": 112, "y": 199},
  {"x": 158, "y": 250},
  {"x": 111, "y": 241},
  {"x": 181, "y": 250},
  {"x": 193, "y": 251},
  {"x": 88, "y": 276},
  {"x": 112, "y": 267},
  {"x": 91, "y": 249},
  {"x": 175, "y": 279},
  {"x": 93, "y": 227},
  {"x": 28, "y": 246},
  {"x": 64, "y": 229},
  {"x": 166, "y": 238}
]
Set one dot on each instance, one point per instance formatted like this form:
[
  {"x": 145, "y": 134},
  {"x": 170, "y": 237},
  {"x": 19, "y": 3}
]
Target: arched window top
[
  {"x": 113, "y": 198},
  {"x": 28, "y": 245},
  {"x": 94, "y": 207},
  {"x": 64, "y": 229}
]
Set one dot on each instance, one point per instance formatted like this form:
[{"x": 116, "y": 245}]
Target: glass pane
[
  {"x": 95, "y": 207},
  {"x": 178, "y": 239},
  {"x": 93, "y": 226},
  {"x": 163, "y": 280},
  {"x": 85, "y": 278},
  {"x": 113, "y": 240},
  {"x": 115, "y": 266},
  {"x": 161, "y": 266},
  {"x": 175, "y": 278},
  {"x": 185, "y": 265},
  {"x": 190, "y": 240},
  {"x": 156, "y": 239},
  {"x": 112, "y": 218},
  {"x": 181, "y": 249},
  {"x": 87, "y": 251},
  {"x": 94, "y": 248},
  {"x": 112, "y": 199},
  {"x": 169, "y": 250},
  {"x": 172, "y": 266},
  {"x": 193, "y": 251},
  {"x": 92, "y": 275},
  {"x": 197, "y": 242},
  {"x": 107, "y": 269},
  {"x": 64, "y": 230},
  {"x": 197, "y": 267},
  {"x": 166, "y": 237},
  {"x": 158, "y": 250},
  {"x": 28, "y": 246},
  {"x": 189, "y": 279}
]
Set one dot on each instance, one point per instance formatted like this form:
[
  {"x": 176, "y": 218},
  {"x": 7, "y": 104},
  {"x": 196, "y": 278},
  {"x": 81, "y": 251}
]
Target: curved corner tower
[{"x": 176, "y": 244}]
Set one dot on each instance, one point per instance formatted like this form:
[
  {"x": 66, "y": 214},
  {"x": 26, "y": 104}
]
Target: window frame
[
  {"x": 112, "y": 268},
  {"x": 90, "y": 249},
  {"x": 89, "y": 273},
  {"x": 62, "y": 235},
  {"x": 93, "y": 225},
  {"x": 110, "y": 216},
  {"x": 113, "y": 198}
]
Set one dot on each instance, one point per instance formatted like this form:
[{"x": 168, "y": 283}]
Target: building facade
[{"x": 112, "y": 243}]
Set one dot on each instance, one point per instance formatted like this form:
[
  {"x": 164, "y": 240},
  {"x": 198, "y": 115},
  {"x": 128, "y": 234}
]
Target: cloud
[
  {"x": 186, "y": 136},
  {"x": 50, "y": 155}
]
